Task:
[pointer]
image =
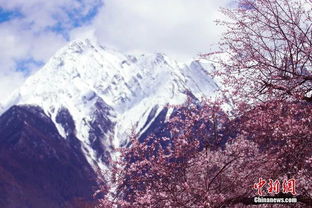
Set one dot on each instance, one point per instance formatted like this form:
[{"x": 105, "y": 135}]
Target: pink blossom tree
[
  {"x": 212, "y": 158},
  {"x": 268, "y": 45},
  {"x": 190, "y": 169}
]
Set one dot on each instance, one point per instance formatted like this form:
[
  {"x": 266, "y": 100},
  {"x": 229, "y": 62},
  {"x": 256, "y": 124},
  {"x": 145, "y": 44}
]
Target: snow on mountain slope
[{"x": 108, "y": 93}]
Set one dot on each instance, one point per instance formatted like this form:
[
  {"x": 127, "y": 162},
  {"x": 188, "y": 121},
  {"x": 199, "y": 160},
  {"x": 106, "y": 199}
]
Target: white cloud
[
  {"x": 180, "y": 28},
  {"x": 41, "y": 14},
  {"x": 18, "y": 44},
  {"x": 8, "y": 83},
  {"x": 45, "y": 45},
  {"x": 30, "y": 36}
]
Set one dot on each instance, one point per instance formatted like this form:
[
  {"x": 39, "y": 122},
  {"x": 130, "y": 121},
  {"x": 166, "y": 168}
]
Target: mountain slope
[
  {"x": 107, "y": 94},
  {"x": 38, "y": 168}
]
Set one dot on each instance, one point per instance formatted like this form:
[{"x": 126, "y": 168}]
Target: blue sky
[
  {"x": 32, "y": 31},
  {"x": 66, "y": 18},
  {"x": 6, "y": 15}
]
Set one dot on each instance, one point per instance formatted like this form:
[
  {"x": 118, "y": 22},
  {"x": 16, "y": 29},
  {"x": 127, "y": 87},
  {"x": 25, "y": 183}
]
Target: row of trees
[{"x": 213, "y": 158}]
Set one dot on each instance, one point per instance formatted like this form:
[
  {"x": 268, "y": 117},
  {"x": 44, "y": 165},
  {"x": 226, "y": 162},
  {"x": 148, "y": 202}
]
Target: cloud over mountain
[{"x": 31, "y": 31}]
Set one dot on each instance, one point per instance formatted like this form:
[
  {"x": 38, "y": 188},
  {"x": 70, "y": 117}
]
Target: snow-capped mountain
[{"x": 99, "y": 95}]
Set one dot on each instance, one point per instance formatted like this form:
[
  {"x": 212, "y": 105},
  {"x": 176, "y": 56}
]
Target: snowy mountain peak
[{"x": 107, "y": 93}]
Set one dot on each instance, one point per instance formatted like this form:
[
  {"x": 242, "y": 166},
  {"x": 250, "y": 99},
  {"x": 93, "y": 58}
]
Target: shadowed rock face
[
  {"x": 39, "y": 168},
  {"x": 64, "y": 118},
  {"x": 100, "y": 126},
  {"x": 157, "y": 127}
]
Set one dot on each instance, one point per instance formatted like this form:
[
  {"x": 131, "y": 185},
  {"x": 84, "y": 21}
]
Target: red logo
[
  {"x": 274, "y": 187},
  {"x": 289, "y": 186},
  {"x": 259, "y": 186}
]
